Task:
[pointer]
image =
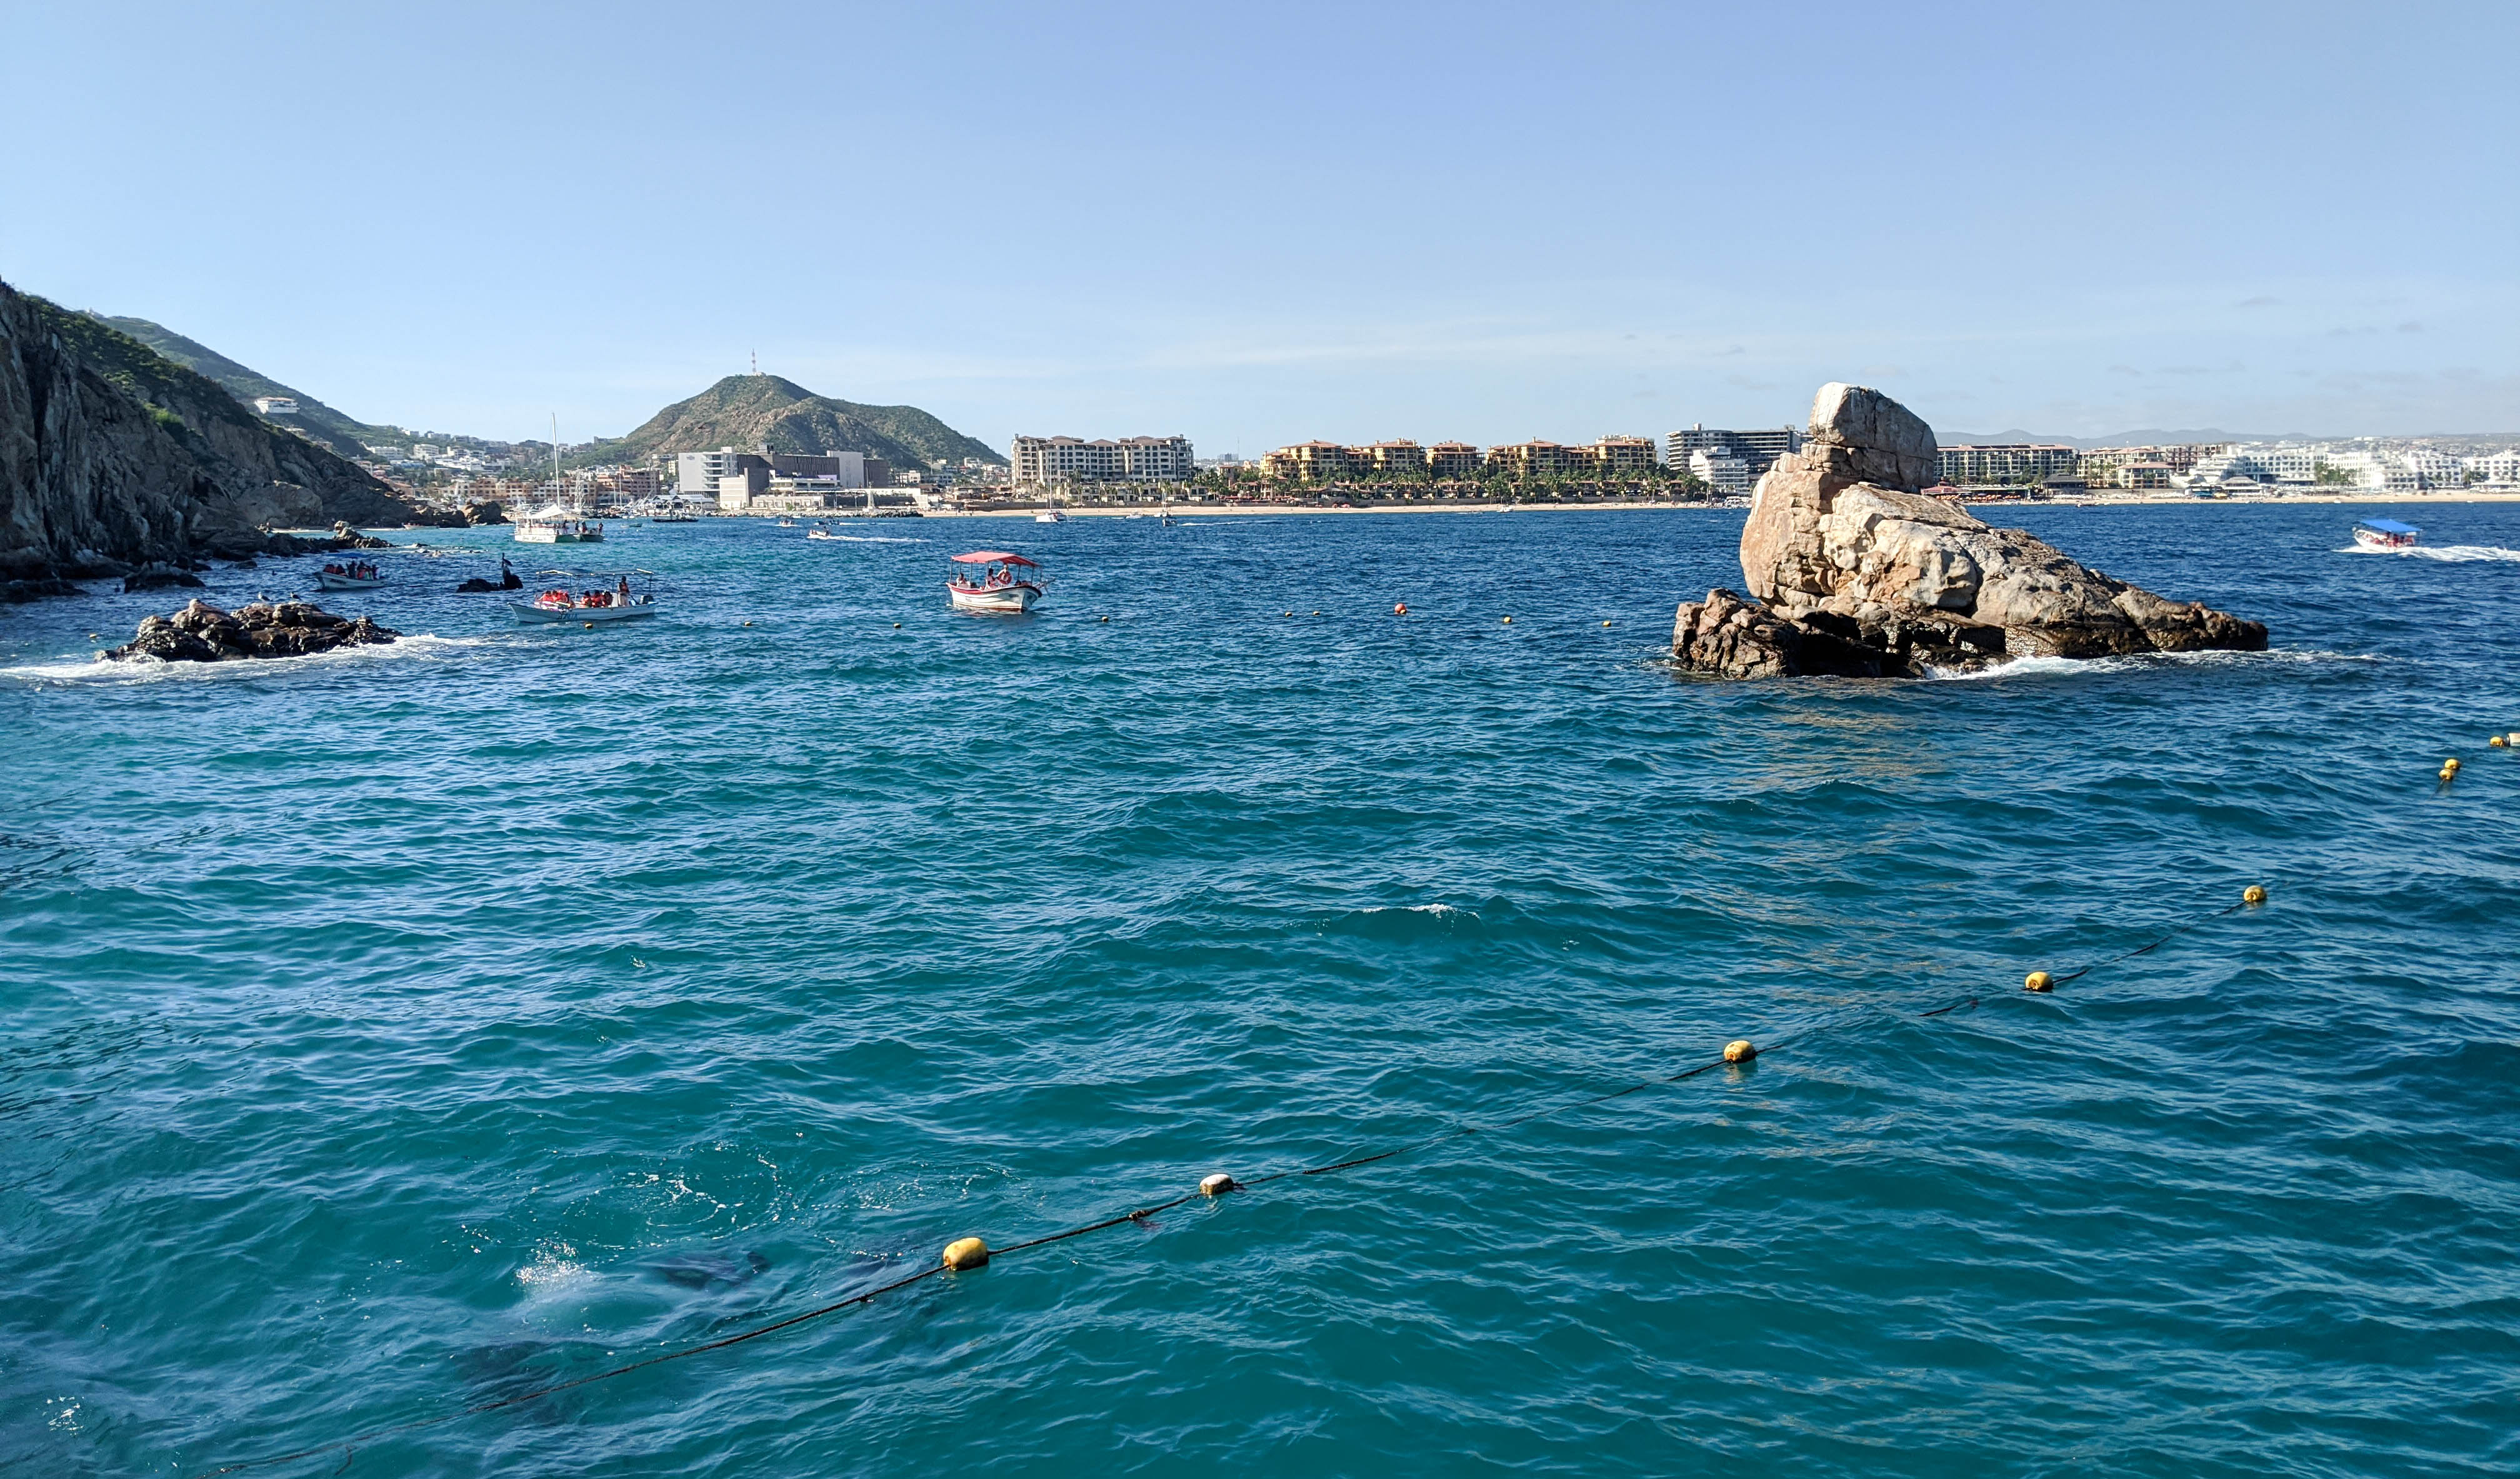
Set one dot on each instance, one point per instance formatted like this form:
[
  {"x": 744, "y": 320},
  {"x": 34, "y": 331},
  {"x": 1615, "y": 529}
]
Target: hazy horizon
[{"x": 1486, "y": 224}]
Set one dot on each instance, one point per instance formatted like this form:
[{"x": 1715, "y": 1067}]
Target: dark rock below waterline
[
  {"x": 203, "y": 633},
  {"x": 160, "y": 577},
  {"x": 1852, "y": 571}
]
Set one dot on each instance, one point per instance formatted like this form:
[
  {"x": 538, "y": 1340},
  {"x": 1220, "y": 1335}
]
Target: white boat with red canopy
[{"x": 994, "y": 580}]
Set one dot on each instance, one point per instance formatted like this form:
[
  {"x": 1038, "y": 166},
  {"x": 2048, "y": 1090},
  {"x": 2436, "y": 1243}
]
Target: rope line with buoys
[{"x": 965, "y": 1254}]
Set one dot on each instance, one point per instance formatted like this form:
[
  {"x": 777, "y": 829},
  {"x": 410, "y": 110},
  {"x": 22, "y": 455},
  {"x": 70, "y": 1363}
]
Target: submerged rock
[
  {"x": 203, "y": 633},
  {"x": 1852, "y": 571},
  {"x": 160, "y": 577}
]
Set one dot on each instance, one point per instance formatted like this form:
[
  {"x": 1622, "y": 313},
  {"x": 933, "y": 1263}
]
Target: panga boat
[
  {"x": 613, "y": 603},
  {"x": 993, "y": 580},
  {"x": 2386, "y": 535},
  {"x": 1050, "y": 516},
  {"x": 820, "y": 534},
  {"x": 556, "y": 525},
  {"x": 349, "y": 575}
]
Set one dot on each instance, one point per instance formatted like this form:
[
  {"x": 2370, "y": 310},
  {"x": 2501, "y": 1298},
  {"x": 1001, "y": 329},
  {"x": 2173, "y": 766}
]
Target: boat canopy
[
  {"x": 995, "y": 557},
  {"x": 553, "y": 514},
  {"x": 2388, "y": 527}
]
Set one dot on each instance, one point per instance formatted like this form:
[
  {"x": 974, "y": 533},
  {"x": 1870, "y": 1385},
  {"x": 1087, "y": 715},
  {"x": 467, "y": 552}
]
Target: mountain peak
[{"x": 766, "y": 411}]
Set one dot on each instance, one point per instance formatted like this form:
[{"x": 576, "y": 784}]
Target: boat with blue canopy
[{"x": 2386, "y": 535}]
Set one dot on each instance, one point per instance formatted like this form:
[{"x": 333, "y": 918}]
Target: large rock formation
[
  {"x": 203, "y": 633},
  {"x": 111, "y": 456},
  {"x": 1852, "y": 571}
]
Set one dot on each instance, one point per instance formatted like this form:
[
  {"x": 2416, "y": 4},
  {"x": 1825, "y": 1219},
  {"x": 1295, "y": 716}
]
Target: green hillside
[
  {"x": 753, "y": 411},
  {"x": 320, "y": 422}
]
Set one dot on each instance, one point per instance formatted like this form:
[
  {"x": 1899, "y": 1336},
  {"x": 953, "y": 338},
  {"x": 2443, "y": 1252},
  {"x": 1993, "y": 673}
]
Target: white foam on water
[
  {"x": 555, "y": 1267},
  {"x": 2132, "y": 662},
  {"x": 418, "y": 647},
  {"x": 2447, "y": 553}
]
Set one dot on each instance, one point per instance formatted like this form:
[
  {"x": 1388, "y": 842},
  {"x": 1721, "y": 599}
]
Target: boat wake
[
  {"x": 89, "y": 671},
  {"x": 2135, "y": 662},
  {"x": 867, "y": 539},
  {"x": 2447, "y": 553}
]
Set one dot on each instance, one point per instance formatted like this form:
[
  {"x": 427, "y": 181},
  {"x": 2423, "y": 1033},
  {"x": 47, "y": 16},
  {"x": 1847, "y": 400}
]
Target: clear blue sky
[{"x": 1257, "y": 224}]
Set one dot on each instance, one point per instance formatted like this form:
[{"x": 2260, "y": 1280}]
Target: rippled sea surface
[{"x": 392, "y": 1032}]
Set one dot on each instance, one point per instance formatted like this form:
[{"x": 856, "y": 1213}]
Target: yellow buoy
[
  {"x": 1290, "y": 613},
  {"x": 748, "y": 623},
  {"x": 1218, "y": 1185},
  {"x": 2038, "y": 981},
  {"x": 1106, "y": 618},
  {"x": 2451, "y": 764},
  {"x": 1508, "y": 621},
  {"x": 589, "y": 625},
  {"x": 1606, "y": 623},
  {"x": 2253, "y": 894},
  {"x": 967, "y": 1253},
  {"x": 2497, "y": 742},
  {"x": 1739, "y": 1050},
  {"x": 896, "y": 626}
]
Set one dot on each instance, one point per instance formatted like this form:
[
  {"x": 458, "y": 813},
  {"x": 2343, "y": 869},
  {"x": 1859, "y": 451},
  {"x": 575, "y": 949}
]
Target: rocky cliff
[
  {"x": 1852, "y": 571},
  {"x": 112, "y": 456}
]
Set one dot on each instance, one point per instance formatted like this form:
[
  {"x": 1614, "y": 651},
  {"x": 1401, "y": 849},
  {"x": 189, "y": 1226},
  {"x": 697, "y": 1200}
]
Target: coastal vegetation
[{"x": 315, "y": 421}]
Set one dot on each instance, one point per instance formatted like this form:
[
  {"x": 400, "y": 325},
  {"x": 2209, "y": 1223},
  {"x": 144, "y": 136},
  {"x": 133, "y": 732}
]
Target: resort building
[
  {"x": 275, "y": 405},
  {"x": 2005, "y": 464},
  {"x": 1452, "y": 462},
  {"x": 1720, "y": 469},
  {"x": 1759, "y": 449},
  {"x": 1316, "y": 462},
  {"x": 1397, "y": 459},
  {"x": 1538, "y": 459},
  {"x": 1041, "y": 459},
  {"x": 1615, "y": 455}
]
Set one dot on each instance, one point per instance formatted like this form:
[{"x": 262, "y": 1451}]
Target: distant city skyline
[{"x": 1555, "y": 224}]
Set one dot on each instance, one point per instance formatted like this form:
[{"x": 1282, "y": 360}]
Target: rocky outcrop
[
  {"x": 1852, "y": 571},
  {"x": 203, "y": 633},
  {"x": 111, "y": 456},
  {"x": 160, "y": 577},
  {"x": 489, "y": 512}
]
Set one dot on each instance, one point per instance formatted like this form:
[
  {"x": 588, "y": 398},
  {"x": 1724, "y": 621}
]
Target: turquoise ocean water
[{"x": 392, "y": 1031}]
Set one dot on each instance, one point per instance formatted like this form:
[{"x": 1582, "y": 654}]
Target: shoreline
[{"x": 1281, "y": 511}]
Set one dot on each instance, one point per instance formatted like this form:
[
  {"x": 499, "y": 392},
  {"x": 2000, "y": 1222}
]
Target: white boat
[
  {"x": 994, "y": 582},
  {"x": 787, "y": 523},
  {"x": 1050, "y": 516},
  {"x": 354, "y": 576},
  {"x": 2386, "y": 535},
  {"x": 820, "y": 534},
  {"x": 558, "y": 525},
  {"x": 618, "y": 603}
]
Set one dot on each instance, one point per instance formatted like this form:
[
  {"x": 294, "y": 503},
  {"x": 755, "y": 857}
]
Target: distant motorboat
[
  {"x": 993, "y": 583},
  {"x": 820, "y": 534},
  {"x": 2386, "y": 535},
  {"x": 1050, "y": 516}
]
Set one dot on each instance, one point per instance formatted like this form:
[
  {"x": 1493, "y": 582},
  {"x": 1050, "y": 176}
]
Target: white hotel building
[{"x": 1043, "y": 459}]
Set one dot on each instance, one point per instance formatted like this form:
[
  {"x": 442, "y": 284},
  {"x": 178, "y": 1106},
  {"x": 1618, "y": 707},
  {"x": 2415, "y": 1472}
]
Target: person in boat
[{"x": 622, "y": 592}]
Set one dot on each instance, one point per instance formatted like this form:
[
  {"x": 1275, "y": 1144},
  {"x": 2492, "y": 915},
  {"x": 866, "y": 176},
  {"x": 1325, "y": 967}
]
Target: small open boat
[
  {"x": 993, "y": 580},
  {"x": 349, "y": 575},
  {"x": 2386, "y": 535},
  {"x": 615, "y": 601}
]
